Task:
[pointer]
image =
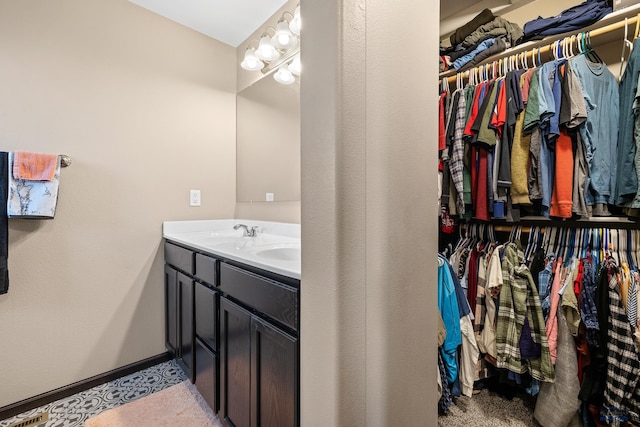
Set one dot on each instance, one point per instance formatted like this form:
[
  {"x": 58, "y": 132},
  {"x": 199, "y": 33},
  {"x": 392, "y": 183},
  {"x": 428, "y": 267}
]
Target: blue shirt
[{"x": 600, "y": 131}]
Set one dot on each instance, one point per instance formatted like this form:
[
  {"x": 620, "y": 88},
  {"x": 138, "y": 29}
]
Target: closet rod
[
  {"x": 545, "y": 45},
  {"x": 508, "y": 228}
]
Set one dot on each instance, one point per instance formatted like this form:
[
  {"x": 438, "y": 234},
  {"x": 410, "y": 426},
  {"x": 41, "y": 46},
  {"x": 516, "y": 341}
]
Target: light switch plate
[{"x": 270, "y": 197}]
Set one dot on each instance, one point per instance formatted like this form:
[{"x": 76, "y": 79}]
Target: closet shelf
[
  {"x": 606, "y": 26},
  {"x": 541, "y": 221}
]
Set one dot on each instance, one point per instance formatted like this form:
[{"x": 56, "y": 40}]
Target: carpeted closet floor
[
  {"x": 487, "y": 409},
  {"x": 74, "y": 410}
]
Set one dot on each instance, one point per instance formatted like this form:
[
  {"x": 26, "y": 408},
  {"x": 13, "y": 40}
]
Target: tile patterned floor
[{"x": 74, "y": 410}]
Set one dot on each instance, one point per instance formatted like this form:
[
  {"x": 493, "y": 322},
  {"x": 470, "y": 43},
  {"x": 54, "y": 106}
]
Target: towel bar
[{"x": 65, "y": 160}]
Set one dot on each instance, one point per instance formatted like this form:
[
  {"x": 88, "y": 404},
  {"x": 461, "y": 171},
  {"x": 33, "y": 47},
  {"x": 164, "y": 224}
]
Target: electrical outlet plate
[
  {"x": 270, "y": 197},
  {"x": 194, "y": 197}
]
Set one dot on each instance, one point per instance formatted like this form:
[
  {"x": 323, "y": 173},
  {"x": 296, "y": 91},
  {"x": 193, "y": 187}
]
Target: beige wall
[
  {"x": 369, "y": 214},
  {"x": 146, "y": 110}
]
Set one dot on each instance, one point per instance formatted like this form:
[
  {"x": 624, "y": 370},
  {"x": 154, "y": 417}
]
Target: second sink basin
[{"x": 279, "y": 252}]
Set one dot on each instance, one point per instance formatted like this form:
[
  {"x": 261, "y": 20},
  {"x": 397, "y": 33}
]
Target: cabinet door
[
  {"x": 274, "y": 377},
  {"x": 186, "y": 338},
  {"x": 207, "y": 374},
  {"x": 206, "y": 306},
  {"x": 171, "y": 309},
  {"x": 235, "y": 364}
]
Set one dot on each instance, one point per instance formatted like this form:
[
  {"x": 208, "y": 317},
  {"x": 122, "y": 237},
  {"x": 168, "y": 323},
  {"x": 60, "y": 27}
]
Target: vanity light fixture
[
  {"x": 294, "y": 66},
  {"x": 284, "y": 75},
  {"x": 251, "y": 62},
  {"x": 296, "y": 22},
  {"x": 278, "y": 49}
]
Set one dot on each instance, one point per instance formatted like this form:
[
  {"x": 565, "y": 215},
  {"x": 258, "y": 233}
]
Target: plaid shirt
[
  {"x": 519, "y": 300},
  {"x": 622, "y": 393},
  {"x": 456, "y": 164}
]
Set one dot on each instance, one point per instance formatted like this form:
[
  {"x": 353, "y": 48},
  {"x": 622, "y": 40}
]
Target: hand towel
[
  {"x": 32, "y": 199},
  {"x": 34, "y": 166},
  {"x": 4, "y": 222}
]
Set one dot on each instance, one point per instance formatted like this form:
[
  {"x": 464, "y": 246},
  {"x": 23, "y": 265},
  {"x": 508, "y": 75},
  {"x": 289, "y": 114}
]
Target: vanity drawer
[
  {"x": 275, "y": 299},
  {"x": 179, "y": 257},
  {"x": 206, "y": 269}
]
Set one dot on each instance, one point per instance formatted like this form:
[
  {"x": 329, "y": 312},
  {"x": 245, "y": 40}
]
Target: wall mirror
[{"x": 268, "y": 141}]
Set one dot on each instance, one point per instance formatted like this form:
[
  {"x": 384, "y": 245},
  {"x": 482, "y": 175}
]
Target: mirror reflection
[{"x": 268, "y": 141}]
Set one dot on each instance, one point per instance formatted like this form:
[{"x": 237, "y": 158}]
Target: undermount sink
[{"x": 281, "y": 253}]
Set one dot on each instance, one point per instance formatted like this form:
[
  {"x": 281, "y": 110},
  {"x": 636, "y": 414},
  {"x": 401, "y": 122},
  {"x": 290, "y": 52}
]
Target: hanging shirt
[
  {"x": 562, "y": 199},
  {"x": 622, "y": 392},
  {"x": 552, "y": 320},
  {"x": 519, "y": 301},
  {"x": 636, "y": 136},
  {"x": 600, "y": 91},
  {"x": 456, "y": 164},
  {"x": 628, "y": 182},
  {"x": 448, "y": 307}
]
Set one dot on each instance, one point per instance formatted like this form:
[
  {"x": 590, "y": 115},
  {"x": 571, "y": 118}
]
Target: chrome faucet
[{"x": 248, "y": 232}]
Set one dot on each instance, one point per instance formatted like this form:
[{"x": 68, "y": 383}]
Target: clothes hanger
[
  {"x": 580, "y": 243},
  {"x": 625, "y": 44},
  {"x": 637, "y": 31},
  {"x": 634, "y": 247},
  {"x": 533, "y": 58},
  {"x": 592, "y": 51},
  {"x": 550, "y": 241}
]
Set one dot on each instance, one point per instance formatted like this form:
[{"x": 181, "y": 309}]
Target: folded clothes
[
  {"x": 461, "y": 62},
  {"x": 574, "y": 18},
  {"x": 461, "y": 33},
  {"x": 34, "y": 166},
  {"x": 498, "y": 46},
  {"x": 497, "y": 27}
]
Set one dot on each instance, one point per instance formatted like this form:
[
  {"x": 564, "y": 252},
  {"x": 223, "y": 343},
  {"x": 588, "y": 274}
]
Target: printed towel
[
  {"x": 32, "y": 199},
  {"x": 34, "y": 166}
]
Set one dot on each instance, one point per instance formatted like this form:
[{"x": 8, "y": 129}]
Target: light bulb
[
  {"x": 251, "y": 62},
  {"x": 296, "y": 22},
  {"x": 283, "y": 38},
  {"x": 266, "y": 51},
  {"x": 283, "y": 75},
  {"x": 295, "y": 67}
]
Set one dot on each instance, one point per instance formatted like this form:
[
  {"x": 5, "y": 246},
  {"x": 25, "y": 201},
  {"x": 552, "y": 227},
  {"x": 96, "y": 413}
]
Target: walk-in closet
[{"x": 539, "y": 194}]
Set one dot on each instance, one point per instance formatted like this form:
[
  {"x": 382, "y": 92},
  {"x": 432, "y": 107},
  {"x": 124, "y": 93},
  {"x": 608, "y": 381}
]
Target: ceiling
[
  {"x": 450, "y": 8},
  {"x": 230, "y": 22}
]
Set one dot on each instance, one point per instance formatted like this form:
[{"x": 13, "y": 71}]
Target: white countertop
[{"x": 276, "y": 247}]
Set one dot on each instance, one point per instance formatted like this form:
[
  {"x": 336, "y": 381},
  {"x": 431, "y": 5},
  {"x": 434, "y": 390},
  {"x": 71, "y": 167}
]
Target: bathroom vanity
[{"x": 232, "y": 313}]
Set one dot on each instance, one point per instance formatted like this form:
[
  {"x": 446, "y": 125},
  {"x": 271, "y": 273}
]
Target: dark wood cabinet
[
  {"x": 171, "y": 309},
  {"x": 274, "y": 376},
  {"x": 179, "y": 306},
  {"x": 179, "y": 332},
  {"x": 234, "y": 331},
  {"x": 259, "y": 370},
  {"x": 186, "y": 336},
  {"x": 235, "y": 364},
  {"x": 207, "y": 374}
]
